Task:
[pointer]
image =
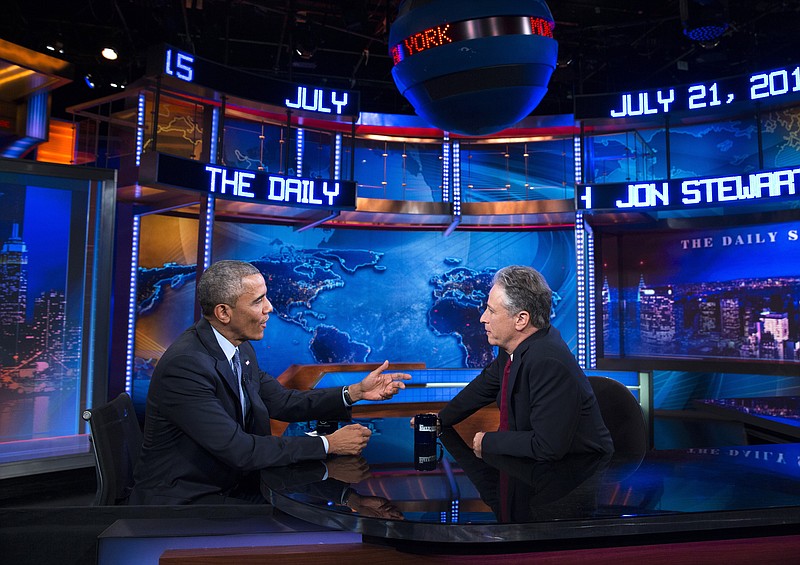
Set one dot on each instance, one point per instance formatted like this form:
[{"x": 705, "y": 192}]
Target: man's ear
[
  {"x": 222, "y": 312},
  {"x": 522, "y": 320}
]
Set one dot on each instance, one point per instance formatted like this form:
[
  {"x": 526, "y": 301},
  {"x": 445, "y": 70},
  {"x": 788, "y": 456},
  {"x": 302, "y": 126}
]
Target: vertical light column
[
  {"x": 299, "y": 156},
  {"x": 456, "y": 178},
  {"x": 590, "y": 299},
  {"x": 580, "y": 275},
  {"x": 140, "y": 129},
  {"x": 337, "y": 157},
  {"x": 132, "y": 304},
  {"x": 207, "y": 210},
  {"x": 584, "y": 274},
  {"x": 446, "y": 168}
]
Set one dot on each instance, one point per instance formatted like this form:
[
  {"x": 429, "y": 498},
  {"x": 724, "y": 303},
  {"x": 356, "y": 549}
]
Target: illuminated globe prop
[{"x": 473, "y": 67}]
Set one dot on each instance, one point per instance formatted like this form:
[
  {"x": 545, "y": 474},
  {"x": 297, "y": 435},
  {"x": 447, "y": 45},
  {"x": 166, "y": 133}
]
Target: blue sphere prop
[{"x": 473, "y": 67}]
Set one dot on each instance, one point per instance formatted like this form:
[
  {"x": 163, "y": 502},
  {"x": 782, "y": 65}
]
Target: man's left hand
[{"x": 378, "y": 386}]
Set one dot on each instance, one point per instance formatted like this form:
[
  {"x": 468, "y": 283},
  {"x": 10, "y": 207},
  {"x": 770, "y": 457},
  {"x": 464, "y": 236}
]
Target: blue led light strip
[
  {"x": 456, "y": 178},
  {"x": 212, "y": 146},
  {"x": 337, "y": 157},
  {"x": 299, "y": 156},
  {"x": 132, "y": 304},
  {"x": 446, "y": 168},
  {"x": 209, "y": 221},
  {"x": 140, "y": 129},
  {"x": 580, "y": 271},
  {"x": 591, "y": 333}
]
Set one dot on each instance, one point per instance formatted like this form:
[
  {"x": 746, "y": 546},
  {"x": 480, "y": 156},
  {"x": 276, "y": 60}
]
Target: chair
[
  {"x": 622, "y": 415},
  {"x": 117, "y": 441}
]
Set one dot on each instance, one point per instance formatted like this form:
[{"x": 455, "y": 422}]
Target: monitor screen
[
  {"x": 728, "y": 294},
  {"x": 347, "y": 295}
]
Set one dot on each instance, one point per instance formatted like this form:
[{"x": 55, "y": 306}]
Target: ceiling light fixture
[{"x": 109, "y": 53}]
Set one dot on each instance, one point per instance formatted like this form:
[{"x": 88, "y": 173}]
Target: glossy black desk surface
[{"x": 505, "y": 499}]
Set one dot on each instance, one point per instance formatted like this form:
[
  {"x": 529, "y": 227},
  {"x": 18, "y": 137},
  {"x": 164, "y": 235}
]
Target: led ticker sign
[
  {"x": 470, "y": 29},
  {"x": 251, "y": 186},
  {"x": 700, "y": 97},
  {"x": 780, "y": 184},
  {"x": 195, "y": 70}
]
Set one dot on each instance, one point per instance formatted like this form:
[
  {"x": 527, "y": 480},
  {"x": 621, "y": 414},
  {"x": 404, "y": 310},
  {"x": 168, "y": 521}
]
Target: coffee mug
[
  {"x": 325, "y": 427},
  {"x": 426, "y": 429},
  {"x": 427, "y": 455}
]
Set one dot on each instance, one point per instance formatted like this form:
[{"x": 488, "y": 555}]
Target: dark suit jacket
[
  {"x": 552, "y": 410},
  {"x": 195, "y": 443}
]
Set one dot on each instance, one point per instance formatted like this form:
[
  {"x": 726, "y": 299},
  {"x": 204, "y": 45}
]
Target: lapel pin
[{"x": 247, "y": 361}]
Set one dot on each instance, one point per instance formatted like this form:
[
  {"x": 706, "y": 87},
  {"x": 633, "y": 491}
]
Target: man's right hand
[{"x": 348, "y": 440}]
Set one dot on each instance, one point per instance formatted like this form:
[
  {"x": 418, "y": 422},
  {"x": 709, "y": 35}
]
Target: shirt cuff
[{"x": 325, "y": 443}]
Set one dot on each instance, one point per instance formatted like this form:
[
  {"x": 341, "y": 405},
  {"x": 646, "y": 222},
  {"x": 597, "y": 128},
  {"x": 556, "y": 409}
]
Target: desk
[
  {"x": 770, "y": 419},
  {"x": 461, "y": 501}
]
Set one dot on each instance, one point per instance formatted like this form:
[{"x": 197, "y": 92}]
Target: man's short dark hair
[
  {"x": 222, "y": 283},
  {"x": 526, "y": 289}
]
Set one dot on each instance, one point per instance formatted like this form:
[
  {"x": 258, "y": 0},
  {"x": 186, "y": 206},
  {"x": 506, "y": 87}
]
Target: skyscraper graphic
[
  {"x": 49, "y": 323},
  {"x": 13, "y": 291}
]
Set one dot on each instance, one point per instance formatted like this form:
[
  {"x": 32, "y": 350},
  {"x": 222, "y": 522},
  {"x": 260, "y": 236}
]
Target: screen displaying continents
[{"x": 355, "y": 296}]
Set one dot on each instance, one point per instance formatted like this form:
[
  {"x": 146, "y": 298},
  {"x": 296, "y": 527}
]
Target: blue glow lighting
[
  {"x": 212, "y": 146},
  {"x": 337, "y": 157},
  {"x": 37, "y": 115},
  {"x": 132, "y": 304},
  {"x": 580, "y": 270},
  {"x": 710, "y": 32},
  {"x": 446, "y": 168},
  {"x": 209, "y": 230},
  {"x": 140, "y": 129},
  {"x": 591, "y": 330},
  {"x": 299, "y": 148},
  {"x": 457, "y": 178}
]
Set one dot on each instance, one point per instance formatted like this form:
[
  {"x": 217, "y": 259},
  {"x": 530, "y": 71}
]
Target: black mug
[
  {"x": 325, "y": 427},
  {"x": 427, "y": 450},
  {"x": 427, "y": 455},
  {"x": 426, "y": 429}
]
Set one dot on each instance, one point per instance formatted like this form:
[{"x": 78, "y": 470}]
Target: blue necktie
[{"x": 244, "y": 398}]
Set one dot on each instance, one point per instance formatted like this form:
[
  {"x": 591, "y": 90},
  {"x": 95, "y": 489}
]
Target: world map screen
[{"x": 361, "y": 295}]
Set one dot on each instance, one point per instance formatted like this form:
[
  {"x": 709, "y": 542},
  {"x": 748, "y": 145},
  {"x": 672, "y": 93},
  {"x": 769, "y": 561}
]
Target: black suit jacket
[
  {"x": 195, "y": 443},
  {"x": 552, "y": 410}
]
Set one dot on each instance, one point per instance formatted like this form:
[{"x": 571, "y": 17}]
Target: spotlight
[
  {"x": 109, "y": 53},
  {"x": 56, "y": 47},
  {"x": 89, "y": 80}
]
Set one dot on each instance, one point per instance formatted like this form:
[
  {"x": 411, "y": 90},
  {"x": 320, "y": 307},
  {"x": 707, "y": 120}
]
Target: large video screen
[
  {"x": 49, "y": 253},
  {"x": 722, "y": 294},
  {"x": 362, "y": 295}
]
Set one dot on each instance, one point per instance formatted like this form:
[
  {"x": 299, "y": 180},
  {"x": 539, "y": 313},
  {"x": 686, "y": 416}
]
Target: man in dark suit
[
  {"x": 547, "y": 407},
  {"x": 206, "y": 429}
]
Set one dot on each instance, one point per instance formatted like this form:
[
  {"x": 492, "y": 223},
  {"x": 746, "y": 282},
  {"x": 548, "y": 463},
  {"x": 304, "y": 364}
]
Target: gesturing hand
[
  {"x": 348, "y": 440},
  {"x": 379, "y": 386}
]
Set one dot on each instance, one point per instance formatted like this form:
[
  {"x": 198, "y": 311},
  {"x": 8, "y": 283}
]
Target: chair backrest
[
  {"x": 622, "y": 415},
  {"x": 117, "y": 441}
]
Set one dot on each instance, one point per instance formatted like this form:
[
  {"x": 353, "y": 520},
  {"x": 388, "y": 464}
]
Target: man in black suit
[
  {"x": 206, "y": 430},
  {"x": 547, "y": 407}
]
